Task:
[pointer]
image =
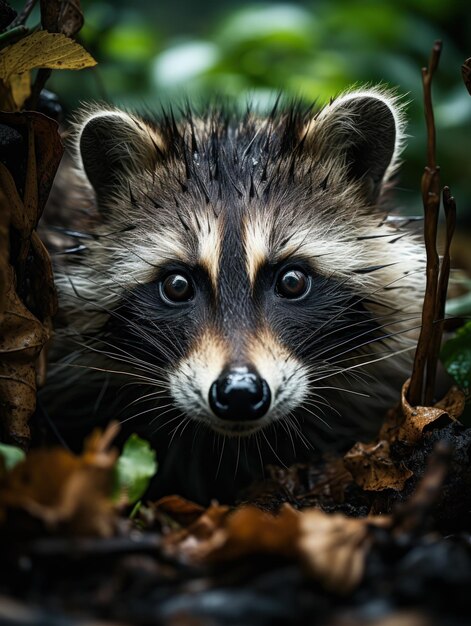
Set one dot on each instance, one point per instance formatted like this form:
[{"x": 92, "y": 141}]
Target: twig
[
  {"x": 21, "y": 18},
  {"x": 434, "y": 348},
  {"x": 431, "y": 202}
]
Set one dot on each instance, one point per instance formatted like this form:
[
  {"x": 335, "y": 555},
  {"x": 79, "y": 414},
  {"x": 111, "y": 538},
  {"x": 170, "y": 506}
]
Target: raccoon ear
[
  {"x": 364, "y": 130},
  {"x": 113, "y": 146}
]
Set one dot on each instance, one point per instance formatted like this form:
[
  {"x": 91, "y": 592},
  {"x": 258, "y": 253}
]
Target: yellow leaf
[
  {"x": 20, "y": 86},
  {"x": 43, "y": 49}
]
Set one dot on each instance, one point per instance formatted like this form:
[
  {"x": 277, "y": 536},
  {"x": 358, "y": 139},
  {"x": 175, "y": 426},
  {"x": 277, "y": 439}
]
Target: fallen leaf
[
  {"x": 334, "y": 547},
  {"x": 190, "y": 542},
  {"x": 22, "y": 337},
  {"x": 182, "y": 511},
  {"x": 371, "y": 466},
  {"x": 46, "y": 50},
  {"x": 407, "y": 423},
  {"x": 63, "y": 492},
  {"x": 249, "y": 530},
  {"x": 4, "y": 251},
  {"x": 61, "y": 16},
  {"x": 23, "y": 334}
]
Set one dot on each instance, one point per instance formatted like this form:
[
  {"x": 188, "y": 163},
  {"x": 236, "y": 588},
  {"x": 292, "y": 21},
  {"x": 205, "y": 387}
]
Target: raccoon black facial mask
[{"x": 243, "y": 273}]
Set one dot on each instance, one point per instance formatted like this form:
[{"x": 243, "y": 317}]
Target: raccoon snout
[{"x": 239, "y": 394}]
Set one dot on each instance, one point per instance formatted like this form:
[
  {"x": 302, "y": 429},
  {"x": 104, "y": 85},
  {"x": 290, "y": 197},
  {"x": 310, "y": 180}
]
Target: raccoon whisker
[
  {"x": 140, "y": 331},
  {"x": 130, "y": 358},
  {"x": 388, "y": 356},
  {"x": 284, "y": 425},
  {"x": 152, "y": 408},
  {"x": 102, "y": 393},
  {"x": 237, "y": 456},
  {"x": 371, "y": 341},
  {"x": 104, "y": 369},
  {"x": 355, "y": 393},
  {"x": 113, "y": 313},
  {"x": 162, "y": 386},
  {"x": 188, "y": 421},
  {"x": 129, "y": 361},
  {"x": 319, "y": 403},
  {"x": 257, "y": 443},
  {"x": 147, "y": 397},
  {"x": 220, "y": 456},
  {"x": 167, "y": 422},
  {"x": 182, "y": 424},
  {"x": 343, "y": 329},
  {"x": 317, "y": 416},
  {"x": 355, "y": 303},
  {"x": 195, "y": 433},
  {"x": 293, "y": 423},
  {"x": 368, "y": 320},
  {"x": 262, "y": 433},
  {"x": 358, "y": 356}
]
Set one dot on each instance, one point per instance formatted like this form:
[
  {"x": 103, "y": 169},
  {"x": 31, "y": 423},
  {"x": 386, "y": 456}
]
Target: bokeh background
[{"x": 151, "y": 52}]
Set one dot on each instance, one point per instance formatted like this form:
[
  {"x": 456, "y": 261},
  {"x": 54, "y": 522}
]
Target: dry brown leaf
[
  {"x": 46, "y": 50},
  {"x": 372, "y": 468},
  {"x": 22, "y": 337},
  {"x": 407, "y": 423},
  {"x": 4, "y": 251},
  {"x": 334, "y": 547},
  {"x": 189, "y": 542},
  {"x": 220, "y": 535},
  {"x": 71, "y": 17},
  {"x": 61, "y": 16},
  {"x": 453, "y": 403},
  {"x": 371, "y": 465},
  {"x": 182, "y": 511},
  {"x": 63, "y": 492}
]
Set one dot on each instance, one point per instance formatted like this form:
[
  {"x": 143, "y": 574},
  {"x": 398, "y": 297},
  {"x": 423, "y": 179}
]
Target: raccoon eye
[
  {"x": 293, "y": 284},
  {"x": 176, "y": 288}
]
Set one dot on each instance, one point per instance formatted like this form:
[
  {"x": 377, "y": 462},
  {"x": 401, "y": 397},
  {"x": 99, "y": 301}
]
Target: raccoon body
[{"x": 240, "y": 292}]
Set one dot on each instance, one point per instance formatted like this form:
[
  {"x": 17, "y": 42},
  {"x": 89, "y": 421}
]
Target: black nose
[{"x": 239, "y": 395}]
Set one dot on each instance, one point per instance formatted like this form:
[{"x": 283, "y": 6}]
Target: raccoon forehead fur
[
  {"x": 288, "y": 177},
  {"x": 230, "y": 198}
]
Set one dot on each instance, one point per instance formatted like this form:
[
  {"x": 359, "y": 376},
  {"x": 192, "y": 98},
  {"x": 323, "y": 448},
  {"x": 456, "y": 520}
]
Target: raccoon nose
[{"x": 239, "y": 394}]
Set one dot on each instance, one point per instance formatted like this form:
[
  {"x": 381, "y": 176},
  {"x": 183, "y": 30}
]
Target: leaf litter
[{"x": 377, "y": 536}]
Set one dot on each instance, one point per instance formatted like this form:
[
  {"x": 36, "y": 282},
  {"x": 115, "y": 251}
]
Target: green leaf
[
  {"x": 11, "y": 455},
  {"x": 134, "y": 469},
  {"x": 456, "y": 357}
]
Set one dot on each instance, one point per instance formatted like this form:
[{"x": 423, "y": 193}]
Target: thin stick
[
  {"x": 434, "y": 349},
  {"x": 431, "y": 202},
  {"x": 21, "y": 18}
]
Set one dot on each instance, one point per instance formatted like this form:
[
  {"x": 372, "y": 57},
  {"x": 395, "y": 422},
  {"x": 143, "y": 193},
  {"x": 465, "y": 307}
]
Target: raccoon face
[{"x": 244, "y": 263}]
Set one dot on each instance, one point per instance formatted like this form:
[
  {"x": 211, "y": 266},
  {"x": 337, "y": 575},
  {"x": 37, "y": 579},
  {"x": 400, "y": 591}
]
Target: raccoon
[{"x": 239, "y": 291}]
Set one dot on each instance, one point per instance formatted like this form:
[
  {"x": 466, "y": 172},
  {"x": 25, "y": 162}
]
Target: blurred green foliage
[{"x": 151, "y": 52}]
